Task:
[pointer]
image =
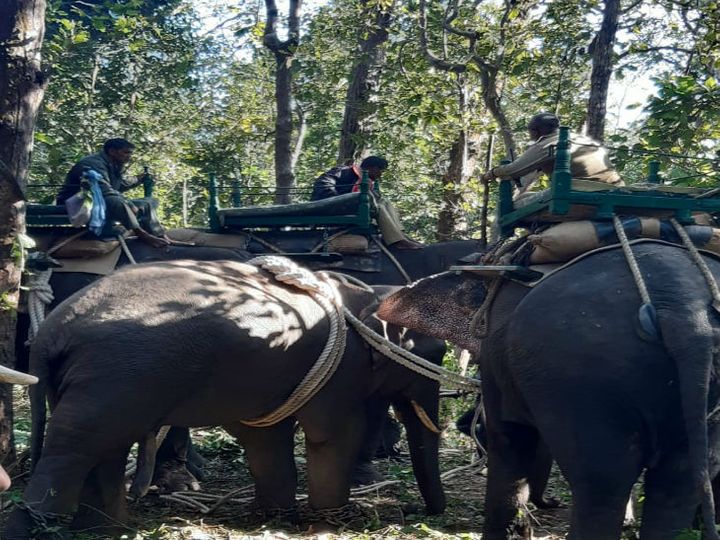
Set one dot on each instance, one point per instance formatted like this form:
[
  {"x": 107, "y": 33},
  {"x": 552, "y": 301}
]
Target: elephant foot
[
  {"x": 546, "y": 503},
  {"x": 365, "y": 474},
  {"x": 279, "y": 517},
  {"x": 173, "y": 475},
  {"x": 26, "y": 523},
  {"x": 330, "y": 520}
]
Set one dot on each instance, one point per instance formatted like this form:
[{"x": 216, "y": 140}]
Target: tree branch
[{"x": 432, "y": 58}]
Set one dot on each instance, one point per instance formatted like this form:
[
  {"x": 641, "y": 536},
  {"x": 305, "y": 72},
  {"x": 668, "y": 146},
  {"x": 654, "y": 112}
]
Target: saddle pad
[{"x": 101, "y": 265}]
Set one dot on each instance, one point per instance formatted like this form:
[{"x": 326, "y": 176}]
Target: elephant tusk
[
  {"x": 11, "y": 376},
  {"x": 424, "y": 418}
]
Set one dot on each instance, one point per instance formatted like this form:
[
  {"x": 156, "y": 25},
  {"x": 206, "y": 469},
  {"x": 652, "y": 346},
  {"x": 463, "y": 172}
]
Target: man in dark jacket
[
  {"x": 110, "y": 164},
  {"x": 346, "y": 179}
]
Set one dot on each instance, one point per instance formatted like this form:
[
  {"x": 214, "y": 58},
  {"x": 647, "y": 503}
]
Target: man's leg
[
  {"x": 391, "y": 227},
  {"x": 148, "y": 219},
  {"x": 117, "y": 208}
]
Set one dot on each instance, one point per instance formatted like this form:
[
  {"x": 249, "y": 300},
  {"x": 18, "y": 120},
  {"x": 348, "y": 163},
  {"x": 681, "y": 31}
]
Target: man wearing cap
[
  {"x": 588, "y": 157},
  {"x": 346, "y": 179}
]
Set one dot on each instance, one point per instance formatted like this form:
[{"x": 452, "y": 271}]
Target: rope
[
  {"x": 632, "y": 263},
  {"x": 325, "y": 294},
  {"x": 479, "y": 322},
  {"x": 329, "y": 239},
  {"x": 392, "y": 258},
  {"x": 126, "y": 250},
  {"x": 345, "y": 280},
  {"x": 410, "y": 360},
  {"x": 698, "y": 260},
  {"x": 265, "y": 243},
  {"x": 40, "y": 295}
]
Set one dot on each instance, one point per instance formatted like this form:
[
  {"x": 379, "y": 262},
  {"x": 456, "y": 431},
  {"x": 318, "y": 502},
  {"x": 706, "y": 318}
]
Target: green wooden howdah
[
  {"x": 358, "y": 218},
  {"x": 558, "y": 200}
]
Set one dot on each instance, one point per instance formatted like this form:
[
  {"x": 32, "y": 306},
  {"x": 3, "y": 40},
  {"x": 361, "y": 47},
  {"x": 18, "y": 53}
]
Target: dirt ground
[{"x": 391, "y": 511}]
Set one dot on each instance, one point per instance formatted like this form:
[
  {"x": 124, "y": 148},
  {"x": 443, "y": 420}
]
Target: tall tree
[
  {"x": 602, "y": 68},
  {"x": 373, "y": 24},
  {"x": 22, "y": 83},
  {"x": 284, "y": 51}
]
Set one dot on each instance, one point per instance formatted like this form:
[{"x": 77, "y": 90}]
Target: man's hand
[{"x": 487, "y": 176}]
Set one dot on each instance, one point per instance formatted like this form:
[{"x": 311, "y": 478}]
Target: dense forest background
[{"x": 272, "y": 96}]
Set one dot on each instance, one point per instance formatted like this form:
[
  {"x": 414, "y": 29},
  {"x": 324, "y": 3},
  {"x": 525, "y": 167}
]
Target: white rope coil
[{"x": 327, "y": 296}]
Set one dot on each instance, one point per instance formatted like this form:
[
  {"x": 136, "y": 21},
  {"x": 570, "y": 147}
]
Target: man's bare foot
[
  {"x": 407, "y": 244},
  {"x": 154, "y": 241}
]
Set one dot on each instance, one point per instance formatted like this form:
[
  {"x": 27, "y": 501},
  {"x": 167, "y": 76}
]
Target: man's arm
[
  {"x": 325, "y": 185},
  {"x": 529, "y": 161}
]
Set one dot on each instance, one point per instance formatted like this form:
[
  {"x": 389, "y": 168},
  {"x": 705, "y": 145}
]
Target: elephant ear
[{"x": 440, "y": 306}]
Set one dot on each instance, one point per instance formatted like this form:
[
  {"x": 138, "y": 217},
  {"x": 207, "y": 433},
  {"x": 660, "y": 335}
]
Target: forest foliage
[{"x": 191, "y": 84}]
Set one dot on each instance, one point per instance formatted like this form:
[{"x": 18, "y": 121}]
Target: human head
[
  {"x": 543, "y": 123},
  {"x": 119, "y": 150},
  {"x": 10, "y": 376},
  {"x": 374, "y": 165}
]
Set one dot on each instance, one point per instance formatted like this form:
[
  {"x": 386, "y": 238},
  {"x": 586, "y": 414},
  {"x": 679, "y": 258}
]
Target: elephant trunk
[{"x": 424, "y": 446}]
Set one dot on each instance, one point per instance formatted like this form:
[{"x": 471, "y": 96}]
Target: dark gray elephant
[
  {"x": 563, "y": 363},
  {"x": 214, "y": 343},
  {"x": 176, "y": 451}
]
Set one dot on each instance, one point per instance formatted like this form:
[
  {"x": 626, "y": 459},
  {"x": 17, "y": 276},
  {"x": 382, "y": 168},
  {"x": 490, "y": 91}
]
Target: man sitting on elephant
[
  {"x": 588, "y": 157},
  {"x": 346, "y": 179},
  {"x": 110, "y": 163}
]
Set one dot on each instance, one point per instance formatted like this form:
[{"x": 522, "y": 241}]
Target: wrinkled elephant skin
[
  {"x": 187, "y": 343},
  {"x": 563, "y": 363}
]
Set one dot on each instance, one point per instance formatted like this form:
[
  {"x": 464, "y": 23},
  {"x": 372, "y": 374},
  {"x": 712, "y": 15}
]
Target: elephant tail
[
  {"x": 690, "y": 339},
  {"x": 42, "y": 354}
]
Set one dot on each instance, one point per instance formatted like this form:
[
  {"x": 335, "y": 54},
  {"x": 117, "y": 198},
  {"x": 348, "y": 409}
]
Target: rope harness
[
  {"x": 326, "y": 295},
  {"x": 324, "y": 292}
]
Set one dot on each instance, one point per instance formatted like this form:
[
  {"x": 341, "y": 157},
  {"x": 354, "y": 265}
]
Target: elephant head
[{"x": 442, "y": 306}]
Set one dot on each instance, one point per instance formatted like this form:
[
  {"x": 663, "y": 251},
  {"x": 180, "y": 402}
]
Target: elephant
[
  {"x": 564, "y": 363},
  {"x": 176, "y": 452},
  {"x": 191, "y": 343}
]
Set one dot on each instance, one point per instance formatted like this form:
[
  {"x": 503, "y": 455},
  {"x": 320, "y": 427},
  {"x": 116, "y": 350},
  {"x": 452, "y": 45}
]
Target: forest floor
[{"x": 393, "y": 511}]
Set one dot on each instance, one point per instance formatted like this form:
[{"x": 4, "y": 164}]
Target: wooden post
[
  {"x": 236, "y": 194},
  {"x": 364, "y": 205},
  {"x": 653, "y": 176},
  {"x": 148, "y": 183},
  {"x": 561, "y": 181},
  {"x": 214, "y": 206}
]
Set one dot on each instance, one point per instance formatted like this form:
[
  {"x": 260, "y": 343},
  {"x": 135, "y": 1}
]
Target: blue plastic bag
[{"x": 97, "y": 214}]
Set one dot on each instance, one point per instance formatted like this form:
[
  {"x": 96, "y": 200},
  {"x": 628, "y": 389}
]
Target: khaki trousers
[{"x": 389, "y": 222}]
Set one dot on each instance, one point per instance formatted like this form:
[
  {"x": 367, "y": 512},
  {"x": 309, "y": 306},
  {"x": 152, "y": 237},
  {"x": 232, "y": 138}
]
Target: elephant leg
[
  {"x": 271, "y": 457},
  {"x": 364, "y": 472},
  {"x": 511, "y": 452},
  {"x": 424, "y": 447},
  {"x": 331, "y": 456},
  {"x": 538, "y": 477},
  {"x": 670, "y": 499},
  {"x": 103, "y": 507},
  {"x": 171, "y": 463}
]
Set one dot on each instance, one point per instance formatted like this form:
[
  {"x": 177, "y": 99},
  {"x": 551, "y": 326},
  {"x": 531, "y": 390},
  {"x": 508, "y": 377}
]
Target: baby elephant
[{"x": 191, "y": 343}]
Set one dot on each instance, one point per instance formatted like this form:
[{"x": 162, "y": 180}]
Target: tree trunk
[
  {"x": 363, "y": 80},
  {"x": 602, "y": 53},
  {"x": 284, "y": 52},
  {"x": 22, "y": 84},
  {"x": 463, "y": 160}
]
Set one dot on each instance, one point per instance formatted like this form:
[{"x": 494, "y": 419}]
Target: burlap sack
[
  {"x": 563, "y": 242},
  {"x": 349, "y": 243}
]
